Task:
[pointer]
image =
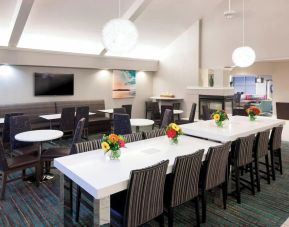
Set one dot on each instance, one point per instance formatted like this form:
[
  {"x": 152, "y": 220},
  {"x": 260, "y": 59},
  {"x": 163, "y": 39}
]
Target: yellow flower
[
  {"x": 105, "y": 146},
  {"x": 175, "y": 127},
  {"x": 217, "y": 117}
]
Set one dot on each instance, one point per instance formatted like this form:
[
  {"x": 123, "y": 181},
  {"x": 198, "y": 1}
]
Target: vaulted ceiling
[{"x": 75, "y": 25}]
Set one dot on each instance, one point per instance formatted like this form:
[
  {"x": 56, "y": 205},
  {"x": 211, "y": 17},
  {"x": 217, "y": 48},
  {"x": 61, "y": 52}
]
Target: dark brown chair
[
  {"x": 11, "y": 165},
  {"x": 167, "y": 118},
  {"x": 121, "y": 110},
  {"x": 82, "y": 112},
  {"x": 67, "y": 120},
  {"x": 128, "y": 109},
  {"x": 121, "y": 124},
  {"x": 19, "y": 124},
  {"x": 6, "y": 129},
  {"x": 144, "y": 199},
  {"x": 154, "y": 133},
  {"x": 183, "y": 184},
  {"x": 242, "y": 157},
  {"x": 239, "y": 111},
  {"x": 148, "y": 108},
  {"x": 214, "y": 173},
  {"x": 191, "y": 117},
  {"x": 156, "y": 115},
  {"x": 261, "y": 151},
  {"x": 50, "y": 154},
  {"x": 275, "y": 150},
  {"x": 164, "y": 108},
  {"x": 206, "y": 113},
  {"x": 282, "y": 109},
  {"x": 80, "y": 148}
]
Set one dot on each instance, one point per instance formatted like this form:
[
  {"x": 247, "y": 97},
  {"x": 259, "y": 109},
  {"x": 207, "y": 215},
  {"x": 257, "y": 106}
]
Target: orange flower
[{"x": 113, "y": 138}]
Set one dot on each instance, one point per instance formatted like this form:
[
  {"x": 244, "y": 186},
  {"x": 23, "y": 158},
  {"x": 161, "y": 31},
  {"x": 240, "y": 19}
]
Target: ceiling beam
[
  {"x": 21, "y": 15},
  {"x": 132, "y": 14}
]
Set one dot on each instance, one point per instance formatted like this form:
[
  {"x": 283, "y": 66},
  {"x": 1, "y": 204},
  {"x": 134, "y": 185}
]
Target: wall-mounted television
[{"x": 46, "y": 84}]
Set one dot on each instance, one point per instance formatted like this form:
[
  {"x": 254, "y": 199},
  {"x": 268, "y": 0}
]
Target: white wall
[
  {"x": 17, "y": 86},
  {"x": 266, "y": 32},
  {"x": 179, "y": 65}
]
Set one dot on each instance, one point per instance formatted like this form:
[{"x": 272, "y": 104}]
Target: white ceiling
[{"x": 75, "y": 25}]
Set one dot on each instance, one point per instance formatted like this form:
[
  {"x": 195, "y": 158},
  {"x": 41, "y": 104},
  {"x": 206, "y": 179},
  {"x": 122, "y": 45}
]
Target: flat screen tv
[{"x": 46, "y": 84}]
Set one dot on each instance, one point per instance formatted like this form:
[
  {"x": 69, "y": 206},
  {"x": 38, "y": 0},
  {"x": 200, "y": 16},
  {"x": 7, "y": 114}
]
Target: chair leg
[
  {"x": 267, "y": 168},
  {"x": 3, "y": 185},
  {"x": 71, "y": 196},
  {"x": 280, "y": 162},
  {"x": 78, "y": 199},
  {"x": 37, "y": 174},
  {"x": 225, "y": 194},
  {"x": 204, "y": 206},
  {"x": 162, "y": 220},
  {"x": 171, "y": 217},
  {"x": 272, "y": 165},
  {"x": 252, "y": 179},
  {"x": 256, "y": 162},
  {"x": 238, "y": 193},
  {"x": 197, "y": 208}
]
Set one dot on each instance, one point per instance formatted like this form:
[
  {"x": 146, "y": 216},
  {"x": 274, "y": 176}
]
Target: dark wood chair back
[
  {"x": 128, "y": 109},
  {"x": 156, "y": 115},
  {"x": 167, "y": 118},
  {"x": 121, "y": 124},
  {"x": 6, "y": 127},
  {"x": 67, "y": 119},
  {"x": 3, "y": 161},
  {"x": 206, "y": 113},
  {"x": 77, "y": 134},
  {"x": 193, "y": 113},
  {"x": 121, "y": 110},
  {"x": 82, "y": 112}
]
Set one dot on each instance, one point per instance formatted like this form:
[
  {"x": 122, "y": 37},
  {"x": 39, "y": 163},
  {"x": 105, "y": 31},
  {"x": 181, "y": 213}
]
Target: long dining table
[
  {"x": 101, "y": 177},
  {"x": 235, "y": 127}
]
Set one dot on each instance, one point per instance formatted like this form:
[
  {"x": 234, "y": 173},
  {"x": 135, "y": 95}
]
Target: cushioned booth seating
[
  {"x": 97, "y": 122},
  {"x": 33, "y": 110}
]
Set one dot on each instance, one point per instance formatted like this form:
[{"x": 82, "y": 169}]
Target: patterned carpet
[{"x": 26, "y": 205}]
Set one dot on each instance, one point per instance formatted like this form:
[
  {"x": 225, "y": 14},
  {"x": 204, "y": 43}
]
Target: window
[{"x": 245, "y": 84}]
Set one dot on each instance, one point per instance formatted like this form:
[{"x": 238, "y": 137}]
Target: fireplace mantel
[{"x": 224, "y": 91}]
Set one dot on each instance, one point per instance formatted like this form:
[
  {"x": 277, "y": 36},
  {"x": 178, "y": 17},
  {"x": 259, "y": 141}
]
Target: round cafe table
[
  {"x": 139, "y": 122},
  {"x": 39, "y": 136}
]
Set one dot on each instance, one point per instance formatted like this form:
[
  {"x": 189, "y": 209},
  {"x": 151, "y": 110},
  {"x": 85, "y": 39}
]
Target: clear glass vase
[
  {"x": 220, "y": 124},
  {"x": 114, "y": 155},
  {"x": 252, "y": 117},
  {"x": 174, "y": 141}
]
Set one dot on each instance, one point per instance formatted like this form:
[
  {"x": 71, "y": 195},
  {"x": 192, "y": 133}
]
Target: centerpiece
[
  {"x": 220, "y": 116},
  {"x": 253, "y": 112},
  {"x": 112, "y": 143},
  {"x": 173, "y": 131}
]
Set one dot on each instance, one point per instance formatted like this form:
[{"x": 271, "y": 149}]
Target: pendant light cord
[
  {"x": 243, "y": 23},
  {"x": 119, "y": 8},
  {"x": 229, "y": 5}
]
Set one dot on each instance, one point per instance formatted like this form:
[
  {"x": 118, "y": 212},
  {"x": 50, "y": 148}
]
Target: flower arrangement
[
  {"x": 112, "y": 143},
  {"x": 173, "y": 131},
  {"x": 253, "y": 112},
  {"x": 219, "y": 116}
]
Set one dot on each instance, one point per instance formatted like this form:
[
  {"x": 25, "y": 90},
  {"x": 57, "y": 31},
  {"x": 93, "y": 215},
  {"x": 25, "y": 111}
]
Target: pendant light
[
  {"x": 119, "y": 35},
  {"x": 244, "y": 56}
]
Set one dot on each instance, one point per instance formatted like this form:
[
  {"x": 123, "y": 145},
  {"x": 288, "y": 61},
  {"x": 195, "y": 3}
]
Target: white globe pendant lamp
[
  {"x": 119, "y": 35},
  {"x": 244, "y": 56}
]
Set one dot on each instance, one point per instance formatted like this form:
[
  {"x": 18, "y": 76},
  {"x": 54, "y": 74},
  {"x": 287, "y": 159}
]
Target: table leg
[
  {"x": 101, "y": 211},
  {"x": 65, "y": 202}
]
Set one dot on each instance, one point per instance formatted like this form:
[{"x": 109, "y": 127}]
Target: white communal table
[
  {"x": 235, "y": 127},
  {"x": 139, "y": 122},
  {"x": 1, "y": 120},
  {"x": 101, "y": 177}
]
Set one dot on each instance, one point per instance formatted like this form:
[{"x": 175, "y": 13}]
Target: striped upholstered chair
[
  {"x": 133, "y": 137},
  {"x": 154, "y": 133},
  {"x": 214, "y": 174},
  {"x": 242, "y": 157},
  {"x": 143, "y": 201},
  {"x": 80, "y": 148},
  {"x": 183, "y": 184},
  {"x": 275, "y": 150},
  {"x": 261, "y": 151}
]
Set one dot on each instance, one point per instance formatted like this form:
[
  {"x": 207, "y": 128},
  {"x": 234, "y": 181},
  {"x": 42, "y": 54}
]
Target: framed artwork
[{"x": 123, "y": 84}]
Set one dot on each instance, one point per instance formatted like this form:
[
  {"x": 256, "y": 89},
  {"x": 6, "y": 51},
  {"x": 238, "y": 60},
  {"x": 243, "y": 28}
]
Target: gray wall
[{"x": 17, "y": 86}]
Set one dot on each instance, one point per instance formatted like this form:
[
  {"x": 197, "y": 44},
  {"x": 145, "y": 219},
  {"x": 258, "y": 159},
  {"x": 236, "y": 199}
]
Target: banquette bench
[{"x": 97, "y": 122}]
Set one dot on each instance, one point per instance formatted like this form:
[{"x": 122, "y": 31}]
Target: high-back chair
[
  {"x": 242, "y": 156},
  {"x": 183, "y": 184},
  {"x": 148, "y": 108},
  {"x": 121, "y": 124},
  {"x": 121, "y": 110},
  {"x": 214, "y": 174},
  {"x": 19, "y": 124},
  {"x": 144, "y": 198},
  {"x": 128, "y": 109},
  {"x": 67, "y": 120},
  {"x": 275, "y": 150},
  {"x": 154, "y": 133},
  {"x": 16, "y": 164},
  {"x": 6, "y": 128},
  {"x": 261, "y": 151},
  {"x": 206, "y": 113},
  {"x": 133, "y": 137},
  {"x": 164, "y": 108},
  {"x": 82, "y": 112},
  {"x": 156, "y": 115},
  {"x": 191, "y": 117},
  {"x": 167, "y": 118}
]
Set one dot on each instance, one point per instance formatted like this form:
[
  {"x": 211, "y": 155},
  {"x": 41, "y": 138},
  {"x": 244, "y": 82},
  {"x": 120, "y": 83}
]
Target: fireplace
[{"x": 215, "y": 102}]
